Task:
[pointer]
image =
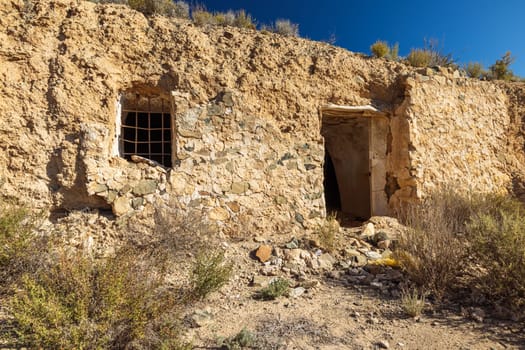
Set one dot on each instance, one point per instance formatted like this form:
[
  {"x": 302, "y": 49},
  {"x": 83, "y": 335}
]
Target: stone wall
[
  {"x": 247, "y": 118},
  {"x": 458, "y": 131}
]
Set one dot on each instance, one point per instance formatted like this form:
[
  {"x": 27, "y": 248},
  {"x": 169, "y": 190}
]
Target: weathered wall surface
[
  {"x": 247, "y": 116},
  {"x": 458, "y": 132}
]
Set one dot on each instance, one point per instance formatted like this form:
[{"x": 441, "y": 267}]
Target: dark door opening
[
  {"x": 347, "y": 157},
  {"x": 331, "y": 188}
]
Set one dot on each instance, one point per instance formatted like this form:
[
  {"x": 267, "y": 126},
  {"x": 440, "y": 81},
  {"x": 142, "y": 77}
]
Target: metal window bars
[{"x": 146, "y": 129}]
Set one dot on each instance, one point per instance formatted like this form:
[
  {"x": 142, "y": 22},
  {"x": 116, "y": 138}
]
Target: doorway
[{"x": 347, "y": 166}]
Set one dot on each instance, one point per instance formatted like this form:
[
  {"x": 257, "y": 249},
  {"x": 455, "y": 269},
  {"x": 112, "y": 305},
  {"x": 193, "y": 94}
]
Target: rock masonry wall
[{"x": 247, "y": 117}]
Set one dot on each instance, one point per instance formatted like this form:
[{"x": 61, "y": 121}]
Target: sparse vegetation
[
  {"x": 474, "y": 70},
  {"x": 209, "y": 274},
  {"x": 474, "y": 242},
  {"x": 381, "y": 49},
  {"x": 430, "y": 56},
  {"x": 412, "y": 302},
  {"x": 277, "y": 288},
  {"x": 328, "y": 233},
  {"x": 497, "y": 238},
  {"x": 432, "y": 252},
  {"x": 285, "y": 27},
  {"x": 19, "y": 246},
  {"x": 77, "y": 300},
  {"x": 154, "y": 7},
  {"x": 240, "y": 19},
  {"x": 244, "y": 339},
  {"x": 500, "y": 70}
]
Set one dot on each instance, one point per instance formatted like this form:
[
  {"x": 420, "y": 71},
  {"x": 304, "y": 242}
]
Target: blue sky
[{"x": 481, "y": 30}]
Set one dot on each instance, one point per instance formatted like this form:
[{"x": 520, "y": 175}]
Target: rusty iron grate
[{"x": 146, "y": 131}]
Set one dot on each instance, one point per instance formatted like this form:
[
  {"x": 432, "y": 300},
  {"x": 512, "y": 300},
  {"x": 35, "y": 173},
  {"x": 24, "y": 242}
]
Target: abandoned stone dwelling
[{"x": 104, "y": 108}]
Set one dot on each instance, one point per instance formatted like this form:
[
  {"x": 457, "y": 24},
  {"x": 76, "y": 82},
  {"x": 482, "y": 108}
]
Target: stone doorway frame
[{"x": 377, "y": 141}]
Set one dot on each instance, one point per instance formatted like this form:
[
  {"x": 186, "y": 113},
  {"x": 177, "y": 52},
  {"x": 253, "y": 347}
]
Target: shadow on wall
[{"x": 67, "y": 174}]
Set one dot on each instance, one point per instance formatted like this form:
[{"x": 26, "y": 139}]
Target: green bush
[
  {"x": 244, "y": 20},
  {"x": 379, "y": 49},
  {"x": 278, "y": 287},
  {"x": 243, "y": 339},
  {"x": 81, "y": 303},
  {"x": 497, "y": 238},
  {"x": 500, "y": 70},
  {"x": 19, "y": 246},
  {"x": 209, "y": 274}
]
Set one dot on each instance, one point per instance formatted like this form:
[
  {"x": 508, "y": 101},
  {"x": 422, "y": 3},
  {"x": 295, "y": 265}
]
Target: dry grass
[
  {"x": 328, "y": 231},
  {"x": 413, "y": 302}
]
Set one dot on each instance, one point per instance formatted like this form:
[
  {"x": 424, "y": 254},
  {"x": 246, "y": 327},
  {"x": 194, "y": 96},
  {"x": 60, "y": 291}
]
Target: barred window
[{"x": 146, "y": 128}]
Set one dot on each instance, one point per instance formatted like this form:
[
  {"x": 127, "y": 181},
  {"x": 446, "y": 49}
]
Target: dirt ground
[{"x": 339, "y": 315}]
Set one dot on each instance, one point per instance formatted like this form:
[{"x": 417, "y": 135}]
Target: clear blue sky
[{"x": 481, "y": 30}]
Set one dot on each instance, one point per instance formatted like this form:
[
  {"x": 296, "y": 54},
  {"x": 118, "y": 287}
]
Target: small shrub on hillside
[
  {"x": 154, "y": 7},
  {"x": 497, "y": 237},
  {"x": 379, "y": 49},
  {"x": 244, "y": 20},
  {"x": 209, "y": 274},
  {"x": 474, "y": 69},
  {"x": 431, "y": 55},
  {"x": 278, "y": 287},
  {"x": 419, "y": 58},
  {"x": 201, "y": 17},
  {"x": 501, "y": 69},
  {"x": 285, "y": 27}
]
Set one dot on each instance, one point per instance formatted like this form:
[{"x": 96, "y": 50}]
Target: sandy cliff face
[{"x": 247, "y": 116}]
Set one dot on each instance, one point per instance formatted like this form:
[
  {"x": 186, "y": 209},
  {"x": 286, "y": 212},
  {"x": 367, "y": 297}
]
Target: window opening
[{"x": 146, "y": 128}]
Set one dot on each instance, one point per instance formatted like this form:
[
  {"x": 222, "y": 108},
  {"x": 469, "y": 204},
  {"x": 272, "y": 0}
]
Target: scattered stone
[
  {"x": 297, "y": 292},
  {"x": 263, "y": 253},
  {"x": 373, "y": 255},
  {"x": 326, "y": 261},
  {"x": 98, "y": 188},
  {"x": 368, "y": 230},
  {"x": 234, "y": 206},
  {"x": 359, "y": 261},
  {"x": 293, "y": 244},
  {"x": 383, "y": 344},
  {"x": 259, "y": 239}
]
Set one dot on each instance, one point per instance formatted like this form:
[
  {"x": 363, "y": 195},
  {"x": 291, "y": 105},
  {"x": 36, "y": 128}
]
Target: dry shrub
[
  {"x": 474, "y": 69},
  {"x": 277, "y": 288},
  {"x": 286, "y": 28},
  {"x": 169, "y": 8},
  {"x": 432, "y": 251},
  {"x": 419, "y": 57},
  {"x": 379, "y": 49},
  {"x": 497, "y": 238},
  {"x": 413, "y": 302},
  {"x": 328, "y": 233}
]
